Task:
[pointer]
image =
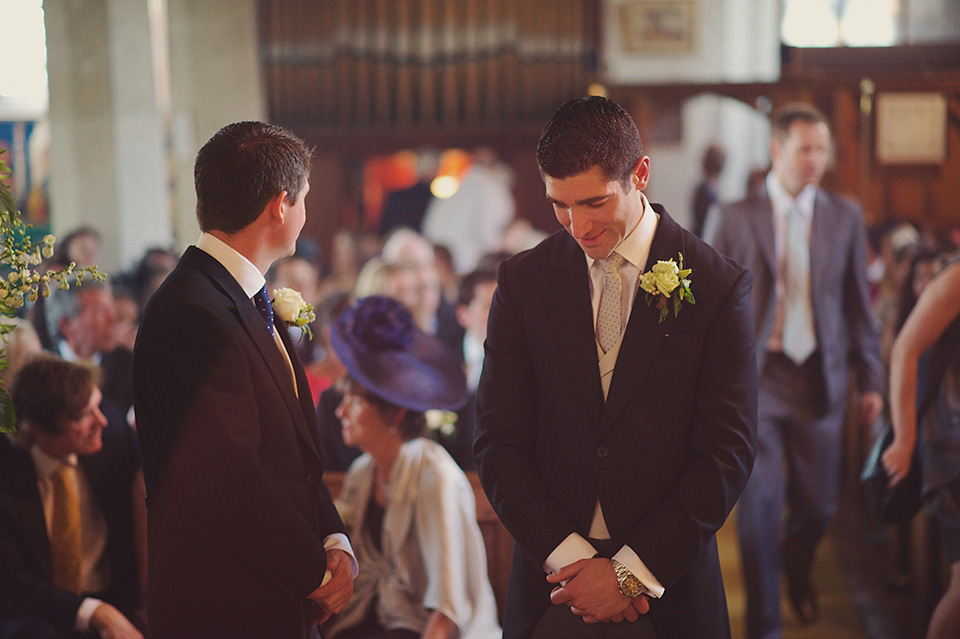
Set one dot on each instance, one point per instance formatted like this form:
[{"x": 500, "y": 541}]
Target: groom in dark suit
[
  {"x": 612, "y": 444},
  {"x": 807, "y": 250},
  {"x": 243, "y": 537}
]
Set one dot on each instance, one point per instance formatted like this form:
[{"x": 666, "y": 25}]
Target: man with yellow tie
[{"x": 67, "y": 560}]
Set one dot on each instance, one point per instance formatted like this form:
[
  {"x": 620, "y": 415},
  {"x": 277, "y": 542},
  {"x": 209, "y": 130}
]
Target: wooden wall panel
[{"x": 429, "y": 64}]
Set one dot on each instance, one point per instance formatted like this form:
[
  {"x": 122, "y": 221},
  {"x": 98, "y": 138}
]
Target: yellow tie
[{"x": 66, "y": 544}]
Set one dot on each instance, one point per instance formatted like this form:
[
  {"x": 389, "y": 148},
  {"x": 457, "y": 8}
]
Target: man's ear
[
  {"x": 641, "y": 173},
  {"x": 775, "y": 148},
  {"x": 398, "y": 418},
  {"x": 277, "y": 206},
  {"x": 461, "y": 315}
]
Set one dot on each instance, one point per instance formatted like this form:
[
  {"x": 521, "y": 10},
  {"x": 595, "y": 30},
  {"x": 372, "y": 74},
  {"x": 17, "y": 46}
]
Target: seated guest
[
  {"x": 22, "y": 344},
  {"x": 432, "y": 312},
  {"x": 409, "y": 509},
  {"x": 338, "y": 455},
  {"x": 473, "y": 306},
  {"x": 67, "y": 558},
  {"x": 83, "y": 323}
]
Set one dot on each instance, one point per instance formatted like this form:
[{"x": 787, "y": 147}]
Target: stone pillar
[
  {"x": 215, "y": 80},
  {"x": 107, "y": 161}
]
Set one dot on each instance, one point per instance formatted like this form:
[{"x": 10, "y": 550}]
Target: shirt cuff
[
  {"x": 633, "y": 563},
  {"x": 573, "y": 548},
  {"x": 339, "y": 541},
  {"x": 85, "y": 613}
]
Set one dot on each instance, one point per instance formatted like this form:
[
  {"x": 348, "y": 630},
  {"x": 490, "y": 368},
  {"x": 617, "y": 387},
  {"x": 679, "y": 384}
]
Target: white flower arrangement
[
  {"x": 22, "y": 282},
  {"x": 441, "y": 422},
  {"x": 290, "y": 306},
  {"x": 667, "y": 281}
]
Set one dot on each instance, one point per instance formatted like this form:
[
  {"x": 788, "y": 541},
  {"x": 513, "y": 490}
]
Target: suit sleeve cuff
[
  {"x": 339, "y": 541},
  {"x": 573, "y": 548},
  {"x": 85, "y": 613},
  {"x": 633, "y": 563}
]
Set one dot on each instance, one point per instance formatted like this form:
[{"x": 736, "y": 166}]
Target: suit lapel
[
  {"x": 22, "y": 485},
  {"x": 644, "y": 333},
  {"x": 823, "y": 232},
  {"x": 252, "y": 322},
  {"x": 761, "y": 218},
  {"x": 305, "y": 400},
  {"x": 565, "y": 285}
]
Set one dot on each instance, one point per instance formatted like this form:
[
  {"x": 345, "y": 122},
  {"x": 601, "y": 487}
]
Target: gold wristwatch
[{"x": 629, "y": 584}]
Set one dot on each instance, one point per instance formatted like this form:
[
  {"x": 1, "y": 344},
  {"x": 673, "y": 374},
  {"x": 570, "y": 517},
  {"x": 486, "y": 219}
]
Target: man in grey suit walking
[{"x": 807, "y": 250}]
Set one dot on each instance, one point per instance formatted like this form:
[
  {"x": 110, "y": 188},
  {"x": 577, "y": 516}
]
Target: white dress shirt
[
  {"x": 251, "y": 280},
  {"x": 635, "y": 249},
  {"x": 782, "y": 203}
]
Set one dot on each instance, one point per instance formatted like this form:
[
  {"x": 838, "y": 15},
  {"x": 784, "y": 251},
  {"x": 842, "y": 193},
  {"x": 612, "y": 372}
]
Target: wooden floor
[{"x": 853, "y": 575}]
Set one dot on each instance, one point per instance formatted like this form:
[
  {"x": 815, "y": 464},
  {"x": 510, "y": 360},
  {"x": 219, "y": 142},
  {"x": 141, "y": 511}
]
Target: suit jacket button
[
  {"x": 311, "y": 479},
  {"x": 602, "y": 452}
]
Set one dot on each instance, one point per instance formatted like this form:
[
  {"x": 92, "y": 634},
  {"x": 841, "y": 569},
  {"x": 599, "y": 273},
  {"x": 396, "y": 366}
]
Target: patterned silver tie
[
  {"x": 609, "y": 312},
  {"x": 799, "y": 339}
]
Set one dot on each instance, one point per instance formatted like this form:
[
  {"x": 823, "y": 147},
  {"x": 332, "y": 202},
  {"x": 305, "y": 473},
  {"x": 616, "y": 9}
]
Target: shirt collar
[
  {"x": 635, "y": 247},
  {"x": 47, "y": 465},
  {"x": 68, "y": 353},
  {"x": 783, "y": 201},
  {"x": 248, "y": 276}
]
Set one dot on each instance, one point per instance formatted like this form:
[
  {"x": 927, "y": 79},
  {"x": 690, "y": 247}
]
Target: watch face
[{"x": 630, "y": 586}]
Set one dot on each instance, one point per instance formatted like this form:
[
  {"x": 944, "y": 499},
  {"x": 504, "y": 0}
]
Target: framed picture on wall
[
  {"x": 911, "y": 128},
  {"x": 652, "y": 27}
]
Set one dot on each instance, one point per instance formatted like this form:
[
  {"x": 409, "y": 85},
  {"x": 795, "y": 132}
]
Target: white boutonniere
[
  {"x": 667, "y": 282},
  {"x": 290, "y": 306}
]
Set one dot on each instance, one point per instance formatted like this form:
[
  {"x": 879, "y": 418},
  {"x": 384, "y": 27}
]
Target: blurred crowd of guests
[
  {"x": 88, "y": 332},
  {"x": 438, "y": 258}
]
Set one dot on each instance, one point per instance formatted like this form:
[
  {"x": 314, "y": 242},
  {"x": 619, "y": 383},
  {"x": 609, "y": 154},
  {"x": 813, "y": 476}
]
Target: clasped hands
[
  {"x": 592, "y": 592},
  {"x": 331, "y": 597}
]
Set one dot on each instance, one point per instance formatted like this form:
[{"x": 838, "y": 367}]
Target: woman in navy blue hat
[{"x": 408, "y": 507}]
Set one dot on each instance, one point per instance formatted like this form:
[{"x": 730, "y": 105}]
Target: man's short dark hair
[
  {"x": 241, "y": 168},
  {"x": 784, "y": 117},
  {"x": 48, "y": 391},
  {"x": 589, "y": 132},
  {"x": 469, "y": 283}
]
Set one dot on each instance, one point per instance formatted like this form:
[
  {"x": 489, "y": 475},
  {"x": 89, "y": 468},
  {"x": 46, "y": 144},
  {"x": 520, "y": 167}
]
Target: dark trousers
[
  {"x": 30, "y": 628},
  {"x": 559, "y": 621},
  {"x": 797, "y": 469}
]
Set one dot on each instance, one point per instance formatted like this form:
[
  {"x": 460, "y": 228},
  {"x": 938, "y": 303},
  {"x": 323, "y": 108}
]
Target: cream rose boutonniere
[
  {"x": 666, "y": 284},
  {"x": 290, "y": 306}
]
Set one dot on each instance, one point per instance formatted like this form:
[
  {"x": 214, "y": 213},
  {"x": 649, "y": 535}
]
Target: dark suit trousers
[
  {"x": 559, "y": 621},
  {"x": 797, "y": 468}
]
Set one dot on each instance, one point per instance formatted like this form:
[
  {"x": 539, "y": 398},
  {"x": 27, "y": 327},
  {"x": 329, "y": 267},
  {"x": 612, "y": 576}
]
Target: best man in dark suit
[
  {"x": 635, "y": 450},
  {"x": 807, "y": 250},
  {"x": 45, "y": 590},
  {"x": 244, "y": 540}
]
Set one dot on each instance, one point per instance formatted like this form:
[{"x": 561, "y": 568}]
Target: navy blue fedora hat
[{"x": 384, "y": 351}]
